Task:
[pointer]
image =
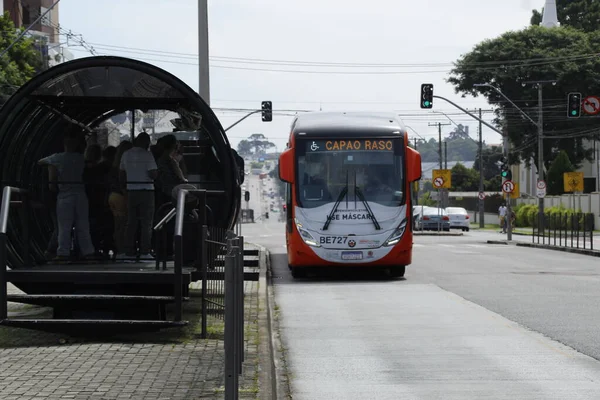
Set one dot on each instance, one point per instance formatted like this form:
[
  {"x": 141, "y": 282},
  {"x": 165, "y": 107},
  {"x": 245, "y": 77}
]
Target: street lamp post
[{"x": 506, "y": 146}]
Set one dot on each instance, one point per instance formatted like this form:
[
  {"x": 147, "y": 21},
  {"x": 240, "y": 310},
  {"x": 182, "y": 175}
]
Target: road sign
[
  {"x": 541, "y": 185},
  {"x": 508, "y": 186},
  {"x": 481, "y": 195},
  {"x": 540, "y": 193},
  {"x": 573, "y": 181},
  {"x": 515, "y": 194},
  {"x": 591, "y": 105},
  {"x": 442, "y": 178}
]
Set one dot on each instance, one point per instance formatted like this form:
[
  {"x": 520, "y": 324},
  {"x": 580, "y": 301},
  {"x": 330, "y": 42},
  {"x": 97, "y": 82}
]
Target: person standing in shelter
[
  {"x": 72, "y": 207},
  {"x": 138, "y": 171}
]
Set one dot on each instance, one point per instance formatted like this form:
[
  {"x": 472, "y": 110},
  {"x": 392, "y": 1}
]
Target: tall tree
[
  {"x": 559, "y": 166},
  {"x": 579, "y": 14},
  {"x": 563, "y": 54},
  {"x": 20, "y": 63},
  {"x": 244, "y": 148},
  {"x": 260, "y": 143}
]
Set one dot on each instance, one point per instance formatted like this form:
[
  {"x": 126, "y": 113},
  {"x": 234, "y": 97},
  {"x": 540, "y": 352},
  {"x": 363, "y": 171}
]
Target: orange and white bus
[{"x": 349, "y": 200}]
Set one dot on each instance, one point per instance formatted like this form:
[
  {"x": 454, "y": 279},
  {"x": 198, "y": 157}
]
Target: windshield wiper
[
  {"x": 362, "y": 198},
  {"x": 335, "y": 207}
]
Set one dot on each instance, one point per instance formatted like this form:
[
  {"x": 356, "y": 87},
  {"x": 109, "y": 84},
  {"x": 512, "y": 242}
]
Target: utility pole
[
  {"x": 204, "y": 70},
  {"x": 540, "y": 132},
  {"x": 416, "y": 184},
  {"x": 445, "y": 155},
  {"x": 481, "y": 189},
  {"x": 439, "y": 125}
]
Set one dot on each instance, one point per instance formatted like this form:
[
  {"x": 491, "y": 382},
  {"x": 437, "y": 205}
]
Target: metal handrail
[
  {"x": 5, "y": 207},
  {"x": 167, "y": 218},
  {"x": 4, "y": 212}
]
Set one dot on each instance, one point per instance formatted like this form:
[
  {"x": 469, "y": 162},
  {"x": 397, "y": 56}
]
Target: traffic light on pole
[
  {"x": 267, "y": 111},
  {"x": 574, "y": 110},
  {"x": 505, "y": 171},
  {"x": 426, "y": 95}
]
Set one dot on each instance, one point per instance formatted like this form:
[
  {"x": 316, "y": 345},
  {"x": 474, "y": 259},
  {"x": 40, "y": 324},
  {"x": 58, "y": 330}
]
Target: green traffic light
[
  {"x": 573, "y": 112},
  {"x": 426, "y": 103},
  {"x": 504, "y": 174}
]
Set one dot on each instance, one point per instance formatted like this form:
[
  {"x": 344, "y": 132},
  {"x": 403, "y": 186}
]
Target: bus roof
[{"x": 347, "y": 124}]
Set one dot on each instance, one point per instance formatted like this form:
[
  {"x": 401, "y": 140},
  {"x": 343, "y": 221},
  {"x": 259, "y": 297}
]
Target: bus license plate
[{"x": 352, "y": 255}]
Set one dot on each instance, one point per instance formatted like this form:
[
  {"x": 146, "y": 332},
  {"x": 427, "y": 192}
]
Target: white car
[{"x": 459, "y": 218}]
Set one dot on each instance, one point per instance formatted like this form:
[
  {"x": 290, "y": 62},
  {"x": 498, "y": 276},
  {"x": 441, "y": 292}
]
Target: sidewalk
[{"x": 170, "y": 364}]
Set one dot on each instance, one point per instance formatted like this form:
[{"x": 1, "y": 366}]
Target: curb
[
  {"x": 266, "y": 376},
  {"x": 272, "y": 372},
  {"x": 497, "y": 242},
  {"x": 585, "y": 252}
]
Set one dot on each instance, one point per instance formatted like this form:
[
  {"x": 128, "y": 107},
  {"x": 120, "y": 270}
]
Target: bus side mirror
[
  {"x": 413, "y": 165},
  {"x": 286, "y": 166}
]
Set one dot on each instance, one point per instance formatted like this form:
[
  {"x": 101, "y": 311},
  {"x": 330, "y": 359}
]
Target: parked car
[
  {"x": 459, "y": 218},
  {"x": 435, "y": 219},
  {"x": 417, "y": 212}
]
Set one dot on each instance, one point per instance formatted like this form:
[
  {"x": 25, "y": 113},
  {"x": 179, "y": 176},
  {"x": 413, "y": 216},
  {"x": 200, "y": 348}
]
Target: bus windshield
[{"x": 368, "y": 170}]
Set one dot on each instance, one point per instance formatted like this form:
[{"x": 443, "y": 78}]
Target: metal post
[
  {"x": 506, "y": 145},
  {"x": 203, "y": 51},
  {"x": 481, "y": 188},
  {"x": 540, "y": 148},
  {"x": 445, "y": 155},
  {"x": 204, "y": 269},
  {"x": 231, "y": 376},
  {"x": 240, "y": 291},
  {"x": 3, "y": 283},
  {"x": 440, "y": 142}
]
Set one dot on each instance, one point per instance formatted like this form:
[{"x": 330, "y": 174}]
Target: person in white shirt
[
  {"x": 502, "y": 215},
  {"x": 139, "y": 170}
]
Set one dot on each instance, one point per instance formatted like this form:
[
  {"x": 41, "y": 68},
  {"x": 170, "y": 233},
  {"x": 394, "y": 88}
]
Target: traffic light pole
[
  {"x": 507, "y": 218},
  {"x": 241, "y": 119},
  {"x": 481, "y": 188}
]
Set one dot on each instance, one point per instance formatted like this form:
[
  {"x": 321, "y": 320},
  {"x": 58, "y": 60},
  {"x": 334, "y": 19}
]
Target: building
[{"x": 46, "y": 31}]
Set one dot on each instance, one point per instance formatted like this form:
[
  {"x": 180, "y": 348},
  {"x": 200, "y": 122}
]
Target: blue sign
[{"x": 261, "y": 159}]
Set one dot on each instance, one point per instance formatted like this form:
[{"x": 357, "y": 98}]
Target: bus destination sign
[{"x": 314, "y": 146}]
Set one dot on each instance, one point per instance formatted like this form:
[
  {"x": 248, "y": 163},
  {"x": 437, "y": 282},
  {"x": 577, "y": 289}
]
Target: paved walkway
[{"x": 171, "y": 364}]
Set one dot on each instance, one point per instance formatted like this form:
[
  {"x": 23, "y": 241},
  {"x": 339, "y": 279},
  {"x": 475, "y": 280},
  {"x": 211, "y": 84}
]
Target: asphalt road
[{"x": 470, "y": 321}]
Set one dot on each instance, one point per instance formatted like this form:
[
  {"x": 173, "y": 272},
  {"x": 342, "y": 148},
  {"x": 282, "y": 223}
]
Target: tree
[
  {"x": 559, "y": 166},
  {"x": 244, "y": 148},
  {"x": 259, "y": 143},
  {"x": 20, "y": 63},
  {"x": 464, "y": 179},
  {"x": 536, "y": 53},
  {"x": 579, "y": 14}
]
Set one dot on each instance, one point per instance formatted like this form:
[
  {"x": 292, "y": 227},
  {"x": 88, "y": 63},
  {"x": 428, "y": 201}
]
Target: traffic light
[
  {"x": 505, "y": 171},
  {"x": 247, "y": 195},
  {"x": 574, "y": 110},
  {"x": 426, "y": 95},
  {"x": 267, "y": 111}
]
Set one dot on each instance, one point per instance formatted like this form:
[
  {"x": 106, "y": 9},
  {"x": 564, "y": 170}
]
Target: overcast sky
[{"x": 422, "y": 38}]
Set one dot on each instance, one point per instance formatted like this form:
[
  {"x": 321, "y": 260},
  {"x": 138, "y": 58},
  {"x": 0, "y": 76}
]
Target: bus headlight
[
  {"x": 306, "y": 236},
  {"x": 396, "y": 235}
]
